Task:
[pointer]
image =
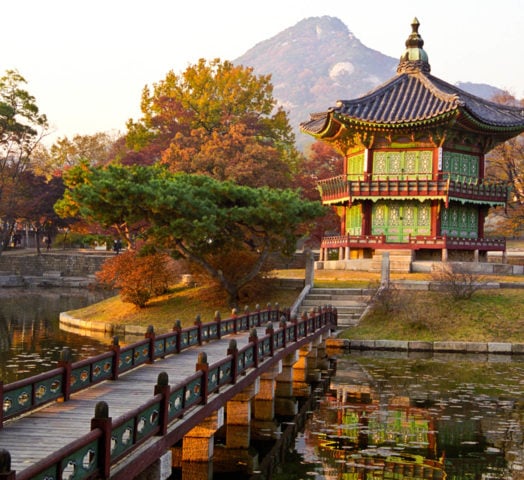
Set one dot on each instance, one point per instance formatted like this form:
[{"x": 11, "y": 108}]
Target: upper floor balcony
[{"x": 445, "y": 186}]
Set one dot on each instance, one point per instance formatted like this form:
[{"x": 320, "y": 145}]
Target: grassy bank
[{"x": 491, "y": 315}]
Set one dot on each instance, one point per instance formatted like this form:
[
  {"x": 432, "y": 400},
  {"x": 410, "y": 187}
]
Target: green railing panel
[
  {"x": 126, "y": 360},
  {"x": 193, "y": 392},
  {"x": 49, "y": 389},
  {"x": 213, "y": 378},
  {"x": 170, "y": 344},
  {"x": 160, "y": 347},
  {"x": 193, "y": 337},
  {"x": 102, "y": 369},
  {"x": 141, "y": 354},
  {"x": 80, "y": 378},
  {"x": 148, "y": 421},
  {"x": 122, "y": 438},
  {"x": 17, "y": 401},
  {"x": 184, "y": 340},
  {"x": 81, "y": 464},
  {"x": 176, "y": 402},
  {"x": 225, "y": 375}
]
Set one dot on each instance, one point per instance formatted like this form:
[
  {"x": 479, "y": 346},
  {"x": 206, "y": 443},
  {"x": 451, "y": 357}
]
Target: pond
[
  {"x": 388, "y": 416},
  {"x": 30, "y": 337}
]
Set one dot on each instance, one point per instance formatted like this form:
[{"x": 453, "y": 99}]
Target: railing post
[
  {"x": 253, "y": 338},
  {"x": 271, "y": 332},
  {"x": 218, "y": 321},
  {"x": 269, "y": 310},
  {"x": 233, "y": 350},
  {"x": 162, "y": 387},
  {"x": 103, "y": 421},
  {"x": 198, "y": 323},
  {"x": 177, "y": 327},
  {"x": 247, "y": 315},
  {"x": 257, "y": 308},
  {"x": 115, "y": 347},
  {"x": 150, "y": 334},
  {"x": 234, "y": 316},
  {"x": 277, "y": 311},
  {"x": 65, "y": 363},
  {"x": 203, "y": 366},
  {"x": 5, "y": 466},
  {"x": 283, "y": 326},
  {"x": 294, "y": 321}
]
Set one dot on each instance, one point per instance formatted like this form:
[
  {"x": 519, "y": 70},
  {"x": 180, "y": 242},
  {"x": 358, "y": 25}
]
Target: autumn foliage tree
[
  {"x": 194, "y": 217},
  {"x": 138, "y": 278},
  {"x": 216, "y": 119},
  {"x": 506, "y": 163}
]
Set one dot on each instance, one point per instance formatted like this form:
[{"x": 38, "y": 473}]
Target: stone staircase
[
  {"x": 349, "y": 302},
  {"x": 399, "y": 260}
]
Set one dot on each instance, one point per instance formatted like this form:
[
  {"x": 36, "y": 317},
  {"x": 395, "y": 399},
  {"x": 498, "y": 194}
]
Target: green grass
[
  {"x": 181, "y": 303},
  {"x": 491, "y": 315}
]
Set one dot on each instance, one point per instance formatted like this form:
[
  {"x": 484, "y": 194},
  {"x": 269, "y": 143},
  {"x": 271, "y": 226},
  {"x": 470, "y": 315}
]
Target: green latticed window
[
  {"x": 398, "y": 220},
  {"x": 356, "y": 167},
  {"x": 460, "y": 165},
  {"x": 354, "y": 220},
  {"x": 459, "y": 221},
  {"x": 404, "y": 165}
]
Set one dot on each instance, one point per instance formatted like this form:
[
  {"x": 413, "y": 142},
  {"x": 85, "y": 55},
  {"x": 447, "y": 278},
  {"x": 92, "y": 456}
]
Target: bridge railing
[
  {"x": 92, "y": 455},
  {"x": 22, "y": 396}
]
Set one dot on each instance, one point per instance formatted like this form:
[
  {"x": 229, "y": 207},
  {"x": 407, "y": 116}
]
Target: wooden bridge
[{"x": 136, "y": 410}]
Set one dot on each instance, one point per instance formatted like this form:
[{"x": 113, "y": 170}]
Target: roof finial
[{"x": 414, "y": 59}]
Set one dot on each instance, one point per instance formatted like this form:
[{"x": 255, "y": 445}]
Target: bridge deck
[{"x": 34, "y": 436}]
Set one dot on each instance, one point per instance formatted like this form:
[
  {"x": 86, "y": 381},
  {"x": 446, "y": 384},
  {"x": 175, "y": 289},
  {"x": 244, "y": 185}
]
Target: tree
[
  {"x": 22, "y": 127},
  {"x": 321, "y": 161},
  {"x": 65, "y": 152},
  {"x": 506, "y": 163},
  {"x": 216, "y": 119},
  {"x": 194, "y": 217}
]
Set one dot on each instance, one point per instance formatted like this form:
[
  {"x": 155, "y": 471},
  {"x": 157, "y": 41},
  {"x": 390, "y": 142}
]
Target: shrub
[
  {"x": 458, "y": 279},
  {"x": 138, "y": 277}
]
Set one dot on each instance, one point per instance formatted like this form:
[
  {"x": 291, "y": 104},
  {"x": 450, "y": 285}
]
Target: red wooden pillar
[
  {"x": 66, "y": 364},
  {"x": 5, "y": 466},
  {"x": 150, "y": 334},
  {"x": 203, "y": 366},
  {"x": 233, "y": 351},
  {"x": 115, "y": 348},
  {"x": 162, "y": 387},
  {"x": 103, "y": 421},
  {"x": 177, "y": 327}
]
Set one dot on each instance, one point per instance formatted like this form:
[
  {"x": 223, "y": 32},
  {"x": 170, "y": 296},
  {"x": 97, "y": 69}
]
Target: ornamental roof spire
[{"x": 415, "y": 58}]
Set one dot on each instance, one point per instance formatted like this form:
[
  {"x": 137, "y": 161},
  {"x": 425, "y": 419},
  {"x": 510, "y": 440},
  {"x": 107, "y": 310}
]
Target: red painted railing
[
  {"x": 414, "y": 242},
  {"x": 92, "y": 455},
  {"x": 25, "y": 395},
  {"x": 347, "y": 188}
]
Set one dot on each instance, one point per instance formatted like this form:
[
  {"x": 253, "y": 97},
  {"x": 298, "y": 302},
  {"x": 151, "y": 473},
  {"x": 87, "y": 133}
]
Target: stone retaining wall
[
  {"x": 67, "y": 264},
  {"x": 434, "y": 347}
]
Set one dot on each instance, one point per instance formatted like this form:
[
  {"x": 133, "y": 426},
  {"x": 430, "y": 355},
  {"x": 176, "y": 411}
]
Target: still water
[
  {"x": 385, "y": 416},
  {"x": 389, "y": 416},
  {"x": 30, "y": 338}
]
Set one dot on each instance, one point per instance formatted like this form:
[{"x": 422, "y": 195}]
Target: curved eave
[
  {"x": 324, "y": 126},
  {"x": 358, "y": 124},
  {"x": 483, "y": 126}
]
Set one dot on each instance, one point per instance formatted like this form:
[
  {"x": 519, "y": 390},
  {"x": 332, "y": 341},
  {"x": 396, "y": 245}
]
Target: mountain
[{"x": 319, "y": 61}]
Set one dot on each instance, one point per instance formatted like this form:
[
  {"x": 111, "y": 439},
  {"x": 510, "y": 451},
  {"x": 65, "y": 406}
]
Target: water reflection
[
  {"x": 389, "y": 417},
  {"x": 30, "y": 337}
]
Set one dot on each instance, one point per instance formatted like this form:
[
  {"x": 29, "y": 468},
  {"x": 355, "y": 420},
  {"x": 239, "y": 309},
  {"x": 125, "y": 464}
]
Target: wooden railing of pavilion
[
  {"x": 93, "y": 454},
  {"x": 414, "y": 242},
  {"x": 347, "y": 188}
]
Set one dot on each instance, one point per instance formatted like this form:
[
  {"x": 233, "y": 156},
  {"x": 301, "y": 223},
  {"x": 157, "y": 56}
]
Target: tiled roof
[
  {"x": 414, "y": 96},
  {"x": 410, "y": 98}
]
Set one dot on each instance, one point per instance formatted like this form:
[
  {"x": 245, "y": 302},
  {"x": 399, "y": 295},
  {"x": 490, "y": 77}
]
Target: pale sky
[{"x": 86, "y": 62}]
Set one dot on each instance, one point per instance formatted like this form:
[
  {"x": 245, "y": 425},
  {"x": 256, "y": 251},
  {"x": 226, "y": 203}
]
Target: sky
[{"x": 87, "y": 62}]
